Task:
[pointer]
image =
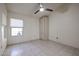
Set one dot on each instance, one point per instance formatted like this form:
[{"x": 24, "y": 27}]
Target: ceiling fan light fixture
[{"x": 41, "y": 9}]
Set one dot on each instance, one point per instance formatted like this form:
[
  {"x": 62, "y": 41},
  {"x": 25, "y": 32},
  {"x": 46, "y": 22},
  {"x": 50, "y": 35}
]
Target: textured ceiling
[{"x": 30, "y": 8}]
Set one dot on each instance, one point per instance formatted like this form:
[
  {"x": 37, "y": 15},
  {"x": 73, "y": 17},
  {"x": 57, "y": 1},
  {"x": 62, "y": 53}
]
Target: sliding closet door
[{"x": 43, "y": 27}]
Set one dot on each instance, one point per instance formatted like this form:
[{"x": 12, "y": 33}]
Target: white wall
[
  {"x": 3, "y": 18},
  {"x": 31, "y": 28},
  {"x": 64, "y": 24}
]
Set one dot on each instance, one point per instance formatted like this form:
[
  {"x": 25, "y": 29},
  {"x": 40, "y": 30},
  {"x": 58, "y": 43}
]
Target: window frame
[{"x": 16, "y": 27}]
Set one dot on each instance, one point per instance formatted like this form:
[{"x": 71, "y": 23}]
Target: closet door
[
  {"x": 4, "y": 31},
  {"x": 43, "y": 27},
  {"x": 3, "y": 18},
  {"x": 0, "y": 34}
]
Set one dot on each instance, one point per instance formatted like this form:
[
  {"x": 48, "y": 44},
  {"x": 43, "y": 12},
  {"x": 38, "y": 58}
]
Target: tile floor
[{"x": 40, "y": 48}]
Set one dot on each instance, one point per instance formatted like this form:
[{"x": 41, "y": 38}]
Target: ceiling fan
[{"x": 41, "y": 9}]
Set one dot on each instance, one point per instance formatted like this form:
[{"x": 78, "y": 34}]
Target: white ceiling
[{"x": 30, "y": 8}]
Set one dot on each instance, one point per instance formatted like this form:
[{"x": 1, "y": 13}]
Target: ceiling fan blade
[
  {"x": 36, "y": 12},
  {"x": 49, "y": 9}
]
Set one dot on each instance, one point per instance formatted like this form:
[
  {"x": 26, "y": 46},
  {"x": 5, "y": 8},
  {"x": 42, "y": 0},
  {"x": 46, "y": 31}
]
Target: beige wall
[
  {"x": 31, "y": 28},
  {"x": 64, "y": 24}
]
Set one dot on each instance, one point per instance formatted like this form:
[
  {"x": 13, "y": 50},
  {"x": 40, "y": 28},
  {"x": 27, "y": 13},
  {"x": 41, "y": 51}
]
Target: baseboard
[
  {"x": 21, "y": 42},
  {"x": 64, "y": 44}
]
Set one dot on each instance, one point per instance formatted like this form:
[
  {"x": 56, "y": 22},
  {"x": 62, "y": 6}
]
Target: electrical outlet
[
  {"x": 1, "y": 47},
  {"x": 57, "y": 38}
]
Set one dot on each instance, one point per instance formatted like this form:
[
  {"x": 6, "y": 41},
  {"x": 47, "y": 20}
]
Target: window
[
  {"x": 16, "y": 31},
  {"x": 16, "y": 27}
]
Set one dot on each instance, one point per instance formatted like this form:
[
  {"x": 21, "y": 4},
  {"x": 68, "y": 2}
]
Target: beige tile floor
[{"x": 40, "y": 48}]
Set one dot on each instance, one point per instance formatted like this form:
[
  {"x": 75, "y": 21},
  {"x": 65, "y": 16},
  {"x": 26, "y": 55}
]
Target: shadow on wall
[{"x": 63, "y": 8}]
